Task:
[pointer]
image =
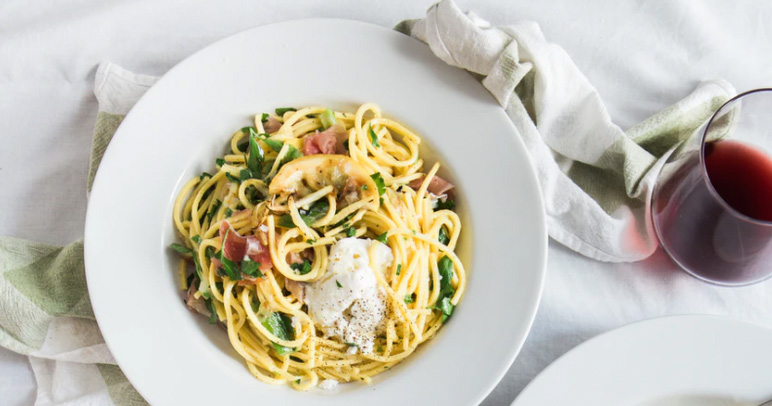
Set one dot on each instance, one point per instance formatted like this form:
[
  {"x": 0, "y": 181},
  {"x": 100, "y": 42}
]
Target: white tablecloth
[{"x": 642, "y": 56}]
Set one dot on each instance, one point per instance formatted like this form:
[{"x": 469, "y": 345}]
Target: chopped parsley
[
  {"x": 311, "y": 241},
  {"x": 303, "y": 268},
  {"x": 251, "y": 268},
  {"x": 373, "y": 137},
  {"x": 292, "y": 153},
  {"x": 264, "y": 117},
  {"x": 228, "y": 212},
  {"x": 219, "y": 162},
  {"x": 382, "y": 237},
  {"x": 379, "y": 183},
  {"x": 245, "y": 174},
  {"x": 181, "y": 248},
  {"x": 328, "y": 119},
  {"x": 445, "y": 266},
  {"x": 280, "y": 325},
  {"x": 297, "y": 381},
  {"x": 399, "y": 269},
  {"x": 204, "y": 175},
  {"x": 212, "y": 311},
  {"x": 351, "y": 231},
  {"x": 338, "y": 283},
  {"x": 410, "y": 298},
  {"x": 199, "y": 271},
  {"x": 196, "y": 239},
  {"x": 351, "y": 344},
  {"x": 281, "y": 110},
  {"x": 317, "y": 210},
  {"x": 443, "y": 237},
  {"x": 448, "y": 204},
  {"x": 256, "y": 155},
  {"x": 233, "y": 178},
  {"x": 273, "y": 144},
  {"x": 365, "y": 187},
  {"x": 213, "y": 209}
]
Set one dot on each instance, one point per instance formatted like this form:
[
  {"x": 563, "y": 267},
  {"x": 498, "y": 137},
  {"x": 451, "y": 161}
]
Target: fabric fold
[{"x": 596, "y": 179}]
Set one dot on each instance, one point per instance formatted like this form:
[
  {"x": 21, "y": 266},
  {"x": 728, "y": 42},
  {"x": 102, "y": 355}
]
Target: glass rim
[{"x": 704, "y": 170}]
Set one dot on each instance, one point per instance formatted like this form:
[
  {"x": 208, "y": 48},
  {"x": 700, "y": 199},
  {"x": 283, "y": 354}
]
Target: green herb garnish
[
  {"x": 264, "y": 117},
  {"x": 378, "y": 179},
  {"x": 351, "y": 231},
  {"x": 196, "y": 239},
  {"x": 448, "y": 204},
  {"x": 328, "y": 119},
  {"x": 212, "y": 312},
  {"x": 251, "y": 268},
  {"x": 410, "y": 298},
  {"x": 181, "y": 248},
  {"x": 373, "y": 137},
  {"x": 445, "y": 266},
  {"x": 317, "y": 210},
  {"x": 213, "y": 209},
  {"x": 443, "y": 236},
  {"x": 292, "y": 153},
  {"x": 399, "y": 269},
  {"x": 245, "y": 174},
  {"x": 232, "y": 178},
  {"x": 338, "y": 284},
  {"x": 219, "y": 162},
  {"x": 280, "y": 325},
  {"x": 382, "y": 237},
  {"x": 273, "y": 144},
  {"x": 228, "y": 212},
  {"x": 281, "y": 110},
  {"x": 303, "y": 268},
  {"x": 204, "y": 175},
  {"x": 256, "y": 155}
]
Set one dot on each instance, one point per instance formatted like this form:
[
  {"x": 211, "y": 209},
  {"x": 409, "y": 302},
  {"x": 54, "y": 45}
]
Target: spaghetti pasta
[{"x": 266, "y": 236}]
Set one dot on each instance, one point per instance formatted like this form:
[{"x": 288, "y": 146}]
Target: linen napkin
[
  {"x": 596, "y": 180},
  {"x": 45, "y": 311}
]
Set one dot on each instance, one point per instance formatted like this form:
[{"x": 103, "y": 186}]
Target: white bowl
[{"x": 184, "y": 122}]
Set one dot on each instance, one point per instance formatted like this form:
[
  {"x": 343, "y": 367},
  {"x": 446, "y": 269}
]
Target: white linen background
[{"x": 641, "y": 56}]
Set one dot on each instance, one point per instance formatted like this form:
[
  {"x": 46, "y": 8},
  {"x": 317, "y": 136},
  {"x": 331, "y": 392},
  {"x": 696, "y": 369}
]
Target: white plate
[
  {"x": 668, "y": 361},
  {"x": 184, "y": 122}
]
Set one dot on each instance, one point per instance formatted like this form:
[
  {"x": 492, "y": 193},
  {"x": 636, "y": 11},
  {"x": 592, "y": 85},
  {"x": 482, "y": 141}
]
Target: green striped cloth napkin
[
  {"x": 595, "y": 179},
  {"x": 45, "y": 311}
]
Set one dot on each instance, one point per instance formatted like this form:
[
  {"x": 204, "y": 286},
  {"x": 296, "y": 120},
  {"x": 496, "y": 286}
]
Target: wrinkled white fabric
[{"x": 640, "y": 55}]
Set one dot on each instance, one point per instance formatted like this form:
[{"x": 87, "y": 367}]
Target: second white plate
[{"x": 669, "y": 361}]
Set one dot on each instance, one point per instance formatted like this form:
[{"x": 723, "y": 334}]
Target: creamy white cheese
[
  {"x": 347, "y": 302},
  {"x": 328, "y": 384}
]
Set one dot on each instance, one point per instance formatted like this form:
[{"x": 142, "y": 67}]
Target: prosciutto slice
[
  {"x": 437, "y": 185},
  {"x": 329, "y": 141},
  {"x": 237, "y": 247},
  {"x": 271, "y": 125}
]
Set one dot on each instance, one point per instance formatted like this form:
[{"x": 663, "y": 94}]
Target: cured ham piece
[
  {"x": 237, "y": 247},
  {"x": 437, "y": 186},
  {"x": 329, "y": 141}
]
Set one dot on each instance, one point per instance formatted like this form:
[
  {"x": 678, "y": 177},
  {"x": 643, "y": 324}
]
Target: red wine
[
  {"x": 742, "y": 176},
  {"x": 699, "y": 231}
]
